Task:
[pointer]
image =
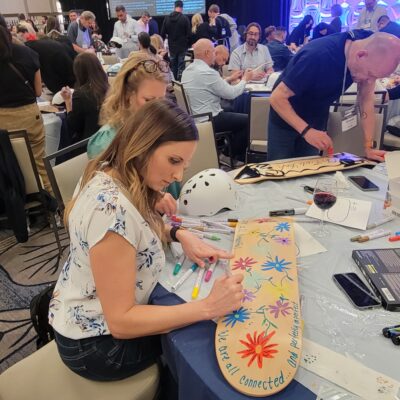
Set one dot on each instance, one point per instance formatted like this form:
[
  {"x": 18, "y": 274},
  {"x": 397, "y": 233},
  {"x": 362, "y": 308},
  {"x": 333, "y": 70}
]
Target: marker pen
[
  {"x": 396, "y": 339},
  {"x": 203, "y": 235},
  {"x": 179, "y": 264},
  {"x": 383, "y": 221},
  {"x": 309, "y": 202},
  {"x": 210, "y": 271},
  {"x": 394, "y": 238},
  {"x": 218, "y": 225},
  {"x": 373, "y": 235},
  {"x": 282, "y": 213},
  {"x": 184, "y": 277},
  {"x": 390, "y": 331},
  {"x": 196, "y": 287}
]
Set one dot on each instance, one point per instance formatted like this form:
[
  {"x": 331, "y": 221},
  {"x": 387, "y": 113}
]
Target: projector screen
[{"x": 156, "y": 7}]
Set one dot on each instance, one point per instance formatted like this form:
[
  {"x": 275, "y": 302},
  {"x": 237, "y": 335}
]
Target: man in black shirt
[
  {"x": 388, "y": 26},
  {"x": 315, "y": 77},
  {"x": 280, "y": 53},
  {"x": 176, "y": 28}
]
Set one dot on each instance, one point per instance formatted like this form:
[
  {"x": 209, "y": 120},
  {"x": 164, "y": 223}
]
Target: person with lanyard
[
  {"x": 80, "y": 32},
  {"x": 369, "y": 15},
  {"x": 316, "y": 77},
  {"x": 105, "y": 326},
  {"x": 127, "y": 29}
]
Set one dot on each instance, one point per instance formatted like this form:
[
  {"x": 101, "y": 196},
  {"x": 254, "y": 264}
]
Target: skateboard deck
[{"x": 258, "y": 346}]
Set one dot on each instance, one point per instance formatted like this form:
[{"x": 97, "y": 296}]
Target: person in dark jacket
[
  {"x": 336, "y": 23},
  {"x": 322, "y": 30},
  {"x": 84, "y": 104},
  {"x": 300, "y": 35},
  {"x": 176, "y": 28},
  {"x": 56, "y": 63},
  {"x": 280, "y": 53},
  {"x": 388, "y": 26}
]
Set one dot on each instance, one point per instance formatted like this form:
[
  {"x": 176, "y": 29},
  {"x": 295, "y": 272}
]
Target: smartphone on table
[
  {"x": 363, "y": 183},
  {"x": 356, "y": 291}
]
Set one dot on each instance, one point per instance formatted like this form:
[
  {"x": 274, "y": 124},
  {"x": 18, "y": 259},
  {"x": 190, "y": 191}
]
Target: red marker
[
  {"x": 394, "y": 238},
  {"x": 330, "y": 152}
]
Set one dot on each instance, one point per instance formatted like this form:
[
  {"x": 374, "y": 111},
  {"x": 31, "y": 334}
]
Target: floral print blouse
[{"x": 75, "y": 310}]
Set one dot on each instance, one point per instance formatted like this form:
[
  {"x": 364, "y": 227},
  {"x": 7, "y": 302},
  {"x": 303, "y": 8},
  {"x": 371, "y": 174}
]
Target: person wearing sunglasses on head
[{"x": 141, "y": 79}]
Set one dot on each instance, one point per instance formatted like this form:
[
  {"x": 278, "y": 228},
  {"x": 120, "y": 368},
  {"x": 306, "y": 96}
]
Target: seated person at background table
[
  {"x": 104, "y": 328},
  {"x": 280, "y": 53},
  {"x": 269, "y": 34},
  {"x": 80, "y": 32},
  {"x": 388, "y": 26},
  {"x": 145, "y": 45},
  {"x": 20, "y": 84},
  {"x": 142, "y": 78},
  {"x": 158, "y": 43},
  {"x": 336, "y": 23},
  {"x": 321, "y": 30},
  {"x": 300, "y": 34},
  {"x": 314, "y": 78},
  {"x": 83, "y": 106},
  {"x": 251, "y": 54},
  {"x": 369, "y": 15},
  {"x": 205, "y": 88},
  {"x": 53, "y": 32},
  {"x": 55, "y": 63},
  {"x": 127, "y": 29},
  {"x": 221, "y": 58}
]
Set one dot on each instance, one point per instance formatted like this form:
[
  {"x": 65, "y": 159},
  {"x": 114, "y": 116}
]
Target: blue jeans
[
  {"x": 287, "y": 143},
  {"x": 104, "y": 358},
  {"x": 177, "y": 63}
]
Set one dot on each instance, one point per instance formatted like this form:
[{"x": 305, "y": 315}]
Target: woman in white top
[{"x": 104, "y": 328}]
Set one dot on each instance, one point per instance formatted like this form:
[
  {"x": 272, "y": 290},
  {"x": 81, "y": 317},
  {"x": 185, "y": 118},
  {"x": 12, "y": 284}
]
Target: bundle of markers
[
  {"x": 392, "y": 332},
  {"x": 205, "y": 228}
]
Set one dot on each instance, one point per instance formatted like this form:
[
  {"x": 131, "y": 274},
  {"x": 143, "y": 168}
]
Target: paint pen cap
[{"x": 195, "y": 292}]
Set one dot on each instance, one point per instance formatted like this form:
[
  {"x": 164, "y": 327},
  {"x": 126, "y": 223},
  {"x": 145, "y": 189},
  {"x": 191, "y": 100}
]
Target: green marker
[{"x": 179, "y": 264}]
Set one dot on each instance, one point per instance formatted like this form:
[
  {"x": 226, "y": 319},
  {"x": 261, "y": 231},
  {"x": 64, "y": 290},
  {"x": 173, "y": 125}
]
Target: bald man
[
  {"x": 205, "y": 88},
  {"x": 221, "y": 58},
  {"x": 315, "y": 78}
]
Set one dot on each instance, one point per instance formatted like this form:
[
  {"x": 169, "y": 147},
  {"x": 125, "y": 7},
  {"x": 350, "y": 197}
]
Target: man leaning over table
[
  {"x": 315, "y": 78},
  {"x": 205, "y": 88},
  {"x": 252, "y": 54}
]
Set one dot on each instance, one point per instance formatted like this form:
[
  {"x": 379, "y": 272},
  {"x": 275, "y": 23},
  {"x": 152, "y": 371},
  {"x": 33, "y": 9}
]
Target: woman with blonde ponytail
[{"x": 104, "y": 327}]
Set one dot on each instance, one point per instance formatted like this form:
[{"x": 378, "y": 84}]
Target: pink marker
[{"x": 209, "y": 272}]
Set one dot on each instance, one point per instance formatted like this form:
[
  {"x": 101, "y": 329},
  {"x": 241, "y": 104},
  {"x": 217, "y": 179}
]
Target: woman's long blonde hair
[
  {"x": 157, "y": 122},
  {"x": 197, "y": 19},
  {"x": 116, "y": 107}
]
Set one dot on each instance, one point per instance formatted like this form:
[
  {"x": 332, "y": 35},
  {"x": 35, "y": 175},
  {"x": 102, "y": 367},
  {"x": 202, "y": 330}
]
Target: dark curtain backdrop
[{"x": 265, "y": 12}]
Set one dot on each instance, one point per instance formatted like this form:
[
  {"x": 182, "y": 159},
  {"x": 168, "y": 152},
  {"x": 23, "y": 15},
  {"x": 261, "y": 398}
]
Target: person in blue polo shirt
[
  {"x": 315, "y": 77},
  {"x": 388, "y": 26}
]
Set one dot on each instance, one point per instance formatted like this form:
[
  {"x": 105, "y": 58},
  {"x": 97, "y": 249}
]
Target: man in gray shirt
[
  {"x": 205, "y": 88},
  {"x": 80, "y": 32},
  {"x": 369, "y": 15},
  {"x": 252, "y": 55}
]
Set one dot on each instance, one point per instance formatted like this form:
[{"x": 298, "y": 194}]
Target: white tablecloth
[{"x": 52, "y": 125}]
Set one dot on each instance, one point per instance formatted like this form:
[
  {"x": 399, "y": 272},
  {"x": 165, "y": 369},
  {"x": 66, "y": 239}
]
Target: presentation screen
[{"x": 157, "y": 7}]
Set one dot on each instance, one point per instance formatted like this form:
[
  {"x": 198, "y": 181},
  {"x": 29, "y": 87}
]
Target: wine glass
[{"x": 325, "y": 195}]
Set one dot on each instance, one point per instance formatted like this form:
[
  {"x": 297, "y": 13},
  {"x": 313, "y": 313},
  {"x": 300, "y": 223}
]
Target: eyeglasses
[
  {"x": 253, "y": 34},
  {"x": 152, "y": 66}
]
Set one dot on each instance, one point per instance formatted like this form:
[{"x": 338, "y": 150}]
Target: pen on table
[
  {"x": 184, "y": 277},
  {"x": 373, "y": 235},
  {"x": 203, "y": 235},
  {"x": 292, "y": 211},
  {"x": 175, "y": 218},
  {"x": 356, "y": 238},
  {"x": 390, "y": 330},
  {"x": 217, "y": 225},
  {"x": 196, "y": 287},
  {"x": 179, "y": 264},
  {"x": 309, "y": 202},
  {"x": 394, "y": 238},
  {"x": 210, "y": 271},
  {"x": 379, "y": 223}
]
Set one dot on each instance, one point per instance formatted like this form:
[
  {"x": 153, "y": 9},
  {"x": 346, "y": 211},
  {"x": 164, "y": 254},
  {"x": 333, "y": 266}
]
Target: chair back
[
  {"x": 205, "y": 155},
  {"x": 181, "y": 98},
  {"x": 352, "y": 141},
  {"x": 65, "y": 176},
  {"x": 23, "y": 152},
  {"x": 258, "y": 123}
]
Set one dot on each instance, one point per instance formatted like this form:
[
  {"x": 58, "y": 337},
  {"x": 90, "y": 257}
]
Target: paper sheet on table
[
  {"x": 392, "y": 159},
  {"x": 305, "y": 243},
  {"x": 352, "y": 213}
]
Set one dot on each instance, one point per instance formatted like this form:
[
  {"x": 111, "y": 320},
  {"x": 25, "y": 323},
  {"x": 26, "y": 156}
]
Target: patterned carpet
[{"x": 25, "y": 269}]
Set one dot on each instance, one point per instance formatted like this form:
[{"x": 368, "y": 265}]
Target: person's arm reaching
[
  {"x": 367, "y": 112},
  {"x": 37, "y": 83},
  {"x": 280, "y": 103},
  {"x": 223, "y": 89}
]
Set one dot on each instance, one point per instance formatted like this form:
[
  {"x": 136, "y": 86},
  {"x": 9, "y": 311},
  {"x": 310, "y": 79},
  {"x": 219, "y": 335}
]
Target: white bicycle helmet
[{"x": 208, "y": 192}]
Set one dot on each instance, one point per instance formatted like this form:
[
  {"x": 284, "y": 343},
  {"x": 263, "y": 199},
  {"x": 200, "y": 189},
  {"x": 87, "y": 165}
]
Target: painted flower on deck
[
  {"x": 282, "y": 227},
  {"x": 281, "y": 307},
  {"x": 284, "y": 241},
  {"x": 236, "y": 316},
  {"x": 277, "y": 264},
  {"x": 257, "y": 348},
  {"x": 248, "y": 296},
  {"x": 244, "y": 263}
]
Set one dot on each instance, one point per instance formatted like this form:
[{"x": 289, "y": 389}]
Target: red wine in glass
[{"x": 324, "y": 200}]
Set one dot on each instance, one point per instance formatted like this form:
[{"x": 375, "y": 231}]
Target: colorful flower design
[
  {"x": 236, "y": 316},
  {"x": 280, "y": 307},
  {"x": 248, "y": 296},
  {"x": 257, "y": 347},
  {"x": 279, "y": 265},
  {"x": 244, "y": 263},
  {"x": 282, "y": 227},
  {"x": 284, "y": 241}
]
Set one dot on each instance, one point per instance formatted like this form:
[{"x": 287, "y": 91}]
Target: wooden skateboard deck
[{"x": 258, "y": 347}]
